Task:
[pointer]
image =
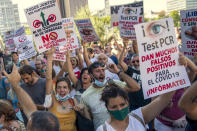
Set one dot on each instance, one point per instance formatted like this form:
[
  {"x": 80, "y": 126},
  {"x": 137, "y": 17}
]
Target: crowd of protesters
[{"x": 97, "y": 89}]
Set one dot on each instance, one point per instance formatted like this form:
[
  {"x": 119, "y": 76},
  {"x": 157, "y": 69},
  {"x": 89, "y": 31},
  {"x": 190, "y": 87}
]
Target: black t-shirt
[
  {"x": 191, "y": 125},
  {"x": 37, "y": 91},
  {"x": 136, "y": 99}
]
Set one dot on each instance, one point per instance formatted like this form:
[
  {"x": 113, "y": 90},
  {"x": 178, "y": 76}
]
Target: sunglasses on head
[{"x": 96, "y": 65}]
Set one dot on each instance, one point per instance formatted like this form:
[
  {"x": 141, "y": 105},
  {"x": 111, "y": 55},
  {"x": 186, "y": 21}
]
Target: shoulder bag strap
[
  {"x": 139, "y": 119},
  {"x": 104, "y": 127}
]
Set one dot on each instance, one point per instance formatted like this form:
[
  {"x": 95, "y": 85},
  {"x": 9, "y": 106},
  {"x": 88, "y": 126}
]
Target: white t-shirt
[
  {"x": 111, "y": 75},
  {"x": 134, "y": 124},
  {"x": 91, "y": 99}
]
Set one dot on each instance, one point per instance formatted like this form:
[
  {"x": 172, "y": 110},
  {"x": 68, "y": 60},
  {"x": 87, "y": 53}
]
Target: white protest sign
[
  {"x": 189, "y": 32},
  {"x": 158, "y": 53},
  {"x": 116, "y": 9},
  {"x": 129, "y": 16},
  {"x": 59, "y": 56},
  {"x": 71, "y": 35},
  {"x": 45, "y": 23},
  {"x": 20, "y": 31},
  {"x": 86, "y": 30},
  {"x": 25, "y": 47},
  {"x": 9, "y": 40}
]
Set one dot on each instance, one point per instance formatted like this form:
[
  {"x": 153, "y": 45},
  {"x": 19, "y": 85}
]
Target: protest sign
[
  {"x": 19, "y": 32},
  {"x": 158, "y": 54},
  {"x": 71, "y": 35},
  {"x": 115, "y": 11},
  {"x": 189, "y": 32},
  {"x": 9, "y": 40},
  {"x": 86, "y": 30},
  {"x": 129, "y": 16},
  {"x": 59, "y": 56},
  {"x": 25, "y": 47},
  {"x": 45, "y": 23}
]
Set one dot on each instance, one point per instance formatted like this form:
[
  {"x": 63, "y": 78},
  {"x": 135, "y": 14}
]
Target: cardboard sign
[
  {"x": 25, "y": 47},
  {"x": 71, "y": 35},
  {"x": 45, "y": 23},
  {"x": 158, "y": 54},
  {"x": 20, "y": 31},
  {"x": 9, "y": 40},
  {"x": 86, "y": 30},
  {"x": 59, "y": 56},
  {"x": 129, "y": 16},
  {"x": 117, "y": 8},
  {"x": 189, "y": 32}
]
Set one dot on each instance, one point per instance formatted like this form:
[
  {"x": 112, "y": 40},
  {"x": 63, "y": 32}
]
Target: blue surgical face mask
[
  {"x": 100, "y": 84},
  {"x": 66, "y": 97},
  {"x": 1, "y": 126}
]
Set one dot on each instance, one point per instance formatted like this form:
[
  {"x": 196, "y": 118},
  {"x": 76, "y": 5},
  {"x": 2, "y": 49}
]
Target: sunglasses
[
  {"x": 96, "y": 65},
  {"x": 135, "y": 61}
]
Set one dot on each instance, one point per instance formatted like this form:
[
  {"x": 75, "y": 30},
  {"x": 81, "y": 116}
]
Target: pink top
[{"x": 174, "y": 112}]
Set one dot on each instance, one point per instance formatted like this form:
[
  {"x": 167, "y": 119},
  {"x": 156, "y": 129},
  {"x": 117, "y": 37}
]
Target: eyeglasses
[{"x": 135, "y": 61}]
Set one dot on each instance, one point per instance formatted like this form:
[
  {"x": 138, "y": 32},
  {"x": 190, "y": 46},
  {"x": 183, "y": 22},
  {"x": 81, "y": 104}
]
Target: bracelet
[{"x": 119, "y": 73}]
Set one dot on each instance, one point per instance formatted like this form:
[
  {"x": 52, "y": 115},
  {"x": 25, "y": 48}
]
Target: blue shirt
[{"x": 3, "y": 86}]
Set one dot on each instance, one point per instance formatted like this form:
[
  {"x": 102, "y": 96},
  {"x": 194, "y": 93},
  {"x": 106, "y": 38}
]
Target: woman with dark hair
[
  {"x": 60, "y": 102},
  {"x": 117, "y": 104},
  {"x": 80, "y": 84},
  {"x": 8, "y": 120}
]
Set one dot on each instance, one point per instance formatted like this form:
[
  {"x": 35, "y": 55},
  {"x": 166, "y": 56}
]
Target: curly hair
[{"x": 7, "y": 110}]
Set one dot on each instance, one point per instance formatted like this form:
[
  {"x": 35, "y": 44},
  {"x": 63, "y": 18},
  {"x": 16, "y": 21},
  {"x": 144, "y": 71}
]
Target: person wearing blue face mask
[
  {"x": 91, "y": 97},
  {"x": 60, "y": 102}
]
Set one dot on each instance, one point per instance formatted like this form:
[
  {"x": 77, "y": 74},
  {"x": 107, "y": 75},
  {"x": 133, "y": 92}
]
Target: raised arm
[
  {"x": 85, "y": 54},
  {"x": 25, "y": 100},
  {"x": 188, "y": 102},
  {"x": 132, "y": 85},
  {"x": 49, "y": 80},
  {"x": 70, "y": 69},
  {"x": 121, "y": 62},
  {"x": 78, "y": 53},
  {"x": 153, "y": 109}
]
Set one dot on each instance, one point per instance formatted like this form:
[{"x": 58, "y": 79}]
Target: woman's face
[
  {"x": 73, "y": 62},
  {"x": 86, "y": 77},
  {"x": 62, "y": 88},
  {"x": 117, "y": 103}
]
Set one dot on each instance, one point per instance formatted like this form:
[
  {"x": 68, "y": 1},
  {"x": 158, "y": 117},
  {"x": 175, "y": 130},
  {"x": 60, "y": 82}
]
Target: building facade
[
  {"x": 68, "y": 8},
  {"x": 9, "y": 16},
  {"x": 173, "y": 5}
]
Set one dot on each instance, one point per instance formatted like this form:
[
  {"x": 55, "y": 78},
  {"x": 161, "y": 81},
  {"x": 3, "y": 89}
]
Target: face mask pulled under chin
[
  {"x": 66, "y": 97},
  {"x": 99, "y": 83}
]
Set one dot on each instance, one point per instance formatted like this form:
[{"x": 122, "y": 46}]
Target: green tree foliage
[
  {"x": 100, "y": 24},
  {"x": 176, "y": 17}
]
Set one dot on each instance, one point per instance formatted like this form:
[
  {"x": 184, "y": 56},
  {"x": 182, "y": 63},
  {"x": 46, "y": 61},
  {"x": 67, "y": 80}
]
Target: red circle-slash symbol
[
  {"x": 53, "y": 35},
  {"x": 22, "y": 39},
  {"x": 52, "y": 18},
  {"x": 36, "y": 23}
]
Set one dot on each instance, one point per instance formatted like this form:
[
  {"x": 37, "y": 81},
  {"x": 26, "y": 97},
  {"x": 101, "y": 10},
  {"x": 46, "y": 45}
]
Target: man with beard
[
  {"x": 91, "y": 97},
  {"x": 136, "y": 99},
  {"x": 33, "y": 85}
]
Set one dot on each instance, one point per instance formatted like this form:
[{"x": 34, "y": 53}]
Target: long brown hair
[{"x": 7, "y": 110}]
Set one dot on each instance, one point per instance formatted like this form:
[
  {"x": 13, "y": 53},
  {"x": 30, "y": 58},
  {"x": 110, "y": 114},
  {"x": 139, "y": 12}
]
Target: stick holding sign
[{"x": 158, "y": 51}]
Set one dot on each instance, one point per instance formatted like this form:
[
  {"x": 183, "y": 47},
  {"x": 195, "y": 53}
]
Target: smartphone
[{"x": 8, "y": 63}]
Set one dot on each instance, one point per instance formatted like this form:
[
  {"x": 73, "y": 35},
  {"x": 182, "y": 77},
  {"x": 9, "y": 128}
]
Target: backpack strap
[
  {"x": 139, "y": 119},
  {"x": 104, "y": 127}
]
